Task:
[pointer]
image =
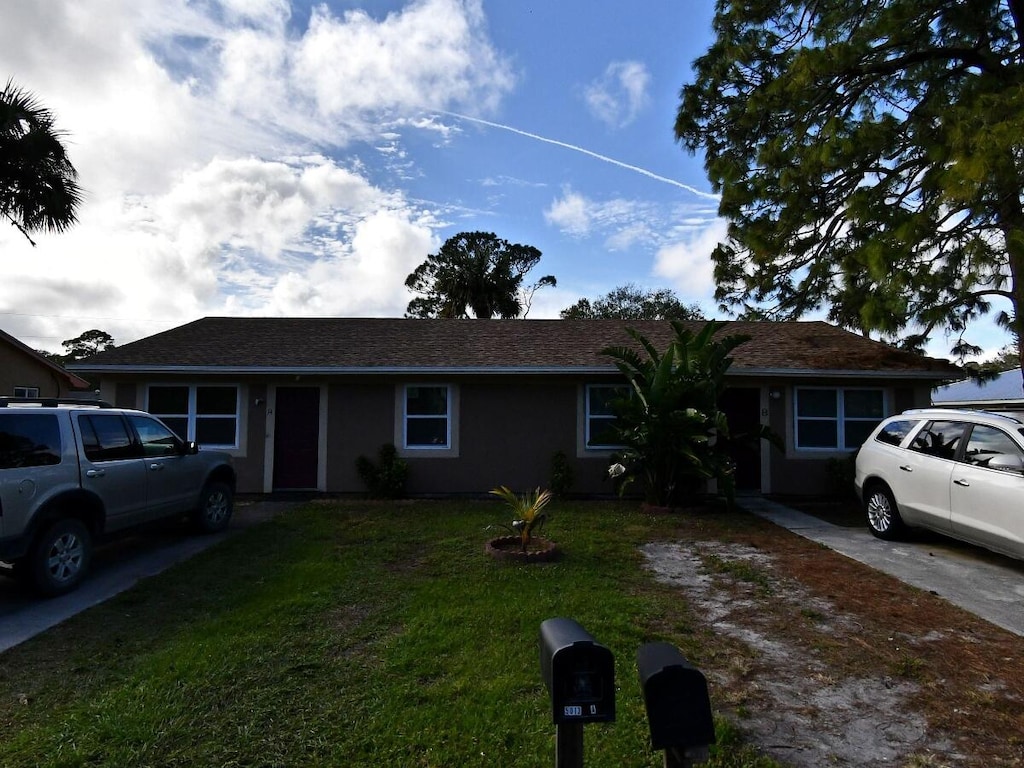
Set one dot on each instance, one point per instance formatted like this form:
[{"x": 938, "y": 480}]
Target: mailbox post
[
  {"x": 678, "y": 706},
  {"x": 580, "y": 677}
]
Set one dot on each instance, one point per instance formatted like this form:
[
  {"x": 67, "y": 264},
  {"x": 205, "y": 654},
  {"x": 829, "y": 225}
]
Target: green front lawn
[{"x": 350, "y": 634}]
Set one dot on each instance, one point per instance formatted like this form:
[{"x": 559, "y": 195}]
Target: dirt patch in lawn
[{"x": 821, "y": 660}]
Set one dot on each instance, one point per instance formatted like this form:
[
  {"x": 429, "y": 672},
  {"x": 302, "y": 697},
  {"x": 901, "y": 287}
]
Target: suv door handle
[
  {"x": 95, "y": 472},
  {"x": 156, "y": 466},
  {"x": 962, "y": 483},
  {"x": 906, "y": 468}
]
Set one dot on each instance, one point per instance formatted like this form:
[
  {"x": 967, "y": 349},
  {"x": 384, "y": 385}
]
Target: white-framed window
[
  {"x": 26, "y": 391},
  {"x": 206, "y": 413},
  {"x": 599, "y": 416},
  {"x": 836, "y": 418},
  {"x": 427, "y": 416}
]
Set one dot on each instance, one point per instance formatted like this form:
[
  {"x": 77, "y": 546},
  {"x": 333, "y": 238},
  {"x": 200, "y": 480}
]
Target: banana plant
[
  {"x": 528, "y": 512},
  {"x": 672, "y": 428}
]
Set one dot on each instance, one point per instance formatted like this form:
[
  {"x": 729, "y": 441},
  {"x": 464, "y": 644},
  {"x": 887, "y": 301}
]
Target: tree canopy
[
  {"x": 86, "y": 345},
  {"x": 38, "y": 183},
  {"x": 475, "y": 272},
  {"x": 630, "y": 302},
  {"x": 869, "y": 158},
  {"x": 1006, "y": 359}
]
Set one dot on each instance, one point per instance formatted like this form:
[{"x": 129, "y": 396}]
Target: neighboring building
[
  {"x": 26, "y": 373},
  {"x": 1003, "y": 393},
  {"x": 472, "y": 404}
]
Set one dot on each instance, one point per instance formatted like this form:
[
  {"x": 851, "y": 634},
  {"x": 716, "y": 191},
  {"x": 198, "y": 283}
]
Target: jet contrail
[{"x": 573, "y": 147}]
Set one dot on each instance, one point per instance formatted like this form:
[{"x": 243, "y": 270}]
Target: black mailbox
[
  {"x": 579, "y": 673},
  {"x": 676, "y": 696}
]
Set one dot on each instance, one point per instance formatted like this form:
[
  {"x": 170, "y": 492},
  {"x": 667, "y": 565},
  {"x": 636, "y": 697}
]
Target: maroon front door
[{"x": 296, "y": 438}]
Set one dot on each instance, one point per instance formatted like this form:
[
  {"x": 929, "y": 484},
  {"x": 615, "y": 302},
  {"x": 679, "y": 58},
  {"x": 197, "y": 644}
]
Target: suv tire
[
  {"x": 59, "y": 557},
  {"x": 884, "y": 519},
  {"x": 216, "y": 503}
]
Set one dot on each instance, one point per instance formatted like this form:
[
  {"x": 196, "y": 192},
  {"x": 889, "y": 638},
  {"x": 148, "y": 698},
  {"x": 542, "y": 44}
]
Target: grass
[
  {"x": 350, "y": 634},
  {"x": 740, "y": 570}
]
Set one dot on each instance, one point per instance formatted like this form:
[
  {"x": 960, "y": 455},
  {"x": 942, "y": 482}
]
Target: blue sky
[{"x": 261, "y": 157}]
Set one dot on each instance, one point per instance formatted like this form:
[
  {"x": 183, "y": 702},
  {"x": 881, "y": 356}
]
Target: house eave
[
  {"x": 817, "y": 373},
  {"x": 346, "y": 370},
  {"x": 256, "y": 370}
]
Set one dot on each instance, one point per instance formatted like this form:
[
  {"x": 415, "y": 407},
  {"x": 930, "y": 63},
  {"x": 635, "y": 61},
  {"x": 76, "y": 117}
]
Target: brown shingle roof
[{"x": 344, "y": 344}]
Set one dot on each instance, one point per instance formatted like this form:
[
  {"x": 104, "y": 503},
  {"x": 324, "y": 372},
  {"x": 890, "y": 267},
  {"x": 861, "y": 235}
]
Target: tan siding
[
  {"x": 509, "y": 429},
  {"x": 360, "y": 419},
  {"x": 18, "y": 369}
]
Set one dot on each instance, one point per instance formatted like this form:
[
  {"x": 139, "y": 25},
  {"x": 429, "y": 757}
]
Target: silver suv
[
  {"x": 958, "y": 472},
  {"x": 72, "y": 470}
]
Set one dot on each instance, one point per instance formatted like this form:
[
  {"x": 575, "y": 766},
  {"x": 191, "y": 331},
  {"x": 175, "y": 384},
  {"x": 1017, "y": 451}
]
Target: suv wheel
[
  {"x": 60, "y": 557},
  {"x": 215, "y": 506},
  {"x": 883, "y": 515}
]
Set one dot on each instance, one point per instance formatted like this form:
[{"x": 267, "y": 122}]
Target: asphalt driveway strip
[
  {"x": 984, "y": 583},
  {"x": 117, "y": 566}
]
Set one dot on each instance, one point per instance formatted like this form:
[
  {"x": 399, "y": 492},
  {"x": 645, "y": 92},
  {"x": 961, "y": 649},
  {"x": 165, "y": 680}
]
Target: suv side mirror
[
  {"x": 579, "y": 673},
  {"x": 1006, "y": 462},
  {"x": 191, "y": 448}
]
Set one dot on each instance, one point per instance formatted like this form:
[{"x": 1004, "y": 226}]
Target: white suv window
[
  {"x": 939, "y": 438},
  {"x": 894, "y": 432},
  {"x": 988, "y": 442}
]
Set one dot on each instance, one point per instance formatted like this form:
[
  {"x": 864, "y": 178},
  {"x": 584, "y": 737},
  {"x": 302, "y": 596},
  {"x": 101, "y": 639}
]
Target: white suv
[{"x": 958, "y": 472}]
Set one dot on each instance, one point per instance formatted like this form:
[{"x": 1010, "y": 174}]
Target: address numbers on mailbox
[{"x": 579, "y": 673}]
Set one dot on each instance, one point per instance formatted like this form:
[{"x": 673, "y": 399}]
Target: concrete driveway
[
  {"x": 986, "y": 584},
  {"x": 117, "y": 566}
]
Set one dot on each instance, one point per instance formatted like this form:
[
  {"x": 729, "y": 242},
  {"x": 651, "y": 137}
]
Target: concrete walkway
[
  {"x": 986, "y": 584},
  {"x": 116, "y": 567}
]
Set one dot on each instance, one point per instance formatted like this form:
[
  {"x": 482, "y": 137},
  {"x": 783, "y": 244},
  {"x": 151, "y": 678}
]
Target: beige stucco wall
[
  {"x": 799, "y": 472},
  {"x": 508, "y": 429}
]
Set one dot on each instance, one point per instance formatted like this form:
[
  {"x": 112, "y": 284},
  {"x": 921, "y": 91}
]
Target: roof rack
[
  {"x": 53, "y": 402},
  {"x": 956, "y": 409}
]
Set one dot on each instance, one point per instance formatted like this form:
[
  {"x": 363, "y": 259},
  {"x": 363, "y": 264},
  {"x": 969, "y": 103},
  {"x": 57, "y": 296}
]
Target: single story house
[
  {"x": 26, "y": 373},
  {"x": 1003, "y": 393},
  {"x": 473, "y": 404}
]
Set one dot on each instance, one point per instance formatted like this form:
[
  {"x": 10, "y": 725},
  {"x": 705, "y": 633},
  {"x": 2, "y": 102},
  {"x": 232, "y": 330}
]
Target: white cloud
[
  {"x": 432, "y": 55},
  {"x": 386, "y": 247},
  {"x": 145, "y": 88},
  {"x": 200, "y": 132},
  {"x": 237, "y": 236},
  {"x": 617, "y": 97},
  {"x": 299, "y": 239},
  {"x": 621, "y": 223},
  {"x": 548, "y": 303},
  {"x": 126, "y": 119},
  {"x": 629, "y": 235},
  {"x": 570, "y": 213},
  {"x": 260, "y": 205},
  {"x": 260, "y": 12},
  {"x": 687, "y": 263}
]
